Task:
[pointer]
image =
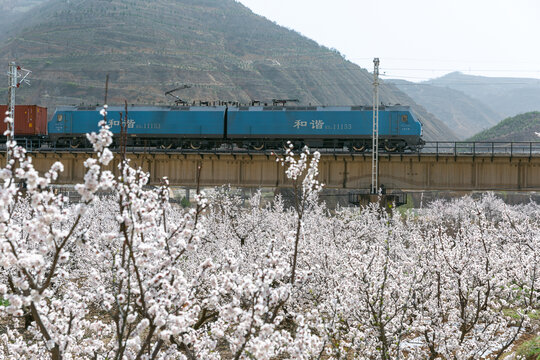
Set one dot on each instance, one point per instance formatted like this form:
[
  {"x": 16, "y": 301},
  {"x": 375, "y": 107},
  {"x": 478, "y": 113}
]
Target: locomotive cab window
[
  {"x": 59, "y": 117},
  {"x": 404, "y": 118}
]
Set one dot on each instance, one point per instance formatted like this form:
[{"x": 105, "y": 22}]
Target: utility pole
[
  {"x": 14, "y": 73},
  {"x": 375, "y": 145},
  {"x": 12, "y": 84}
]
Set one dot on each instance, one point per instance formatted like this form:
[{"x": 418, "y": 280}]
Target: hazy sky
[{"x": 420, "y": 39}]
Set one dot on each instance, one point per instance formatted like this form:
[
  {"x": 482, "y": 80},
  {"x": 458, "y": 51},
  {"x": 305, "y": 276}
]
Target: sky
[{"x": 417, "y": 40}]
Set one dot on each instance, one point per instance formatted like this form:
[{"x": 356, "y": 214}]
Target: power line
[
  {"x": 462, "y": 69},
  {"x": 266, "y": 82},
  {"x": 317, "y": 67},
  {"x": 260, "y": 81},
  {"x": 453, "y": 83},
  {"x": 385, "y": 72}
]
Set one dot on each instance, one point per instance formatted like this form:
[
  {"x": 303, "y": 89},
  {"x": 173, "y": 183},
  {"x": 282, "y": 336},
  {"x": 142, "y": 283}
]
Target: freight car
[
  {"x": 256, "y": 127},
  {"x": 30, "y": 121}
]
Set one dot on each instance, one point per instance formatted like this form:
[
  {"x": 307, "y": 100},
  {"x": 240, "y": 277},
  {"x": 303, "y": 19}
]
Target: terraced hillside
[
  {"x": 148, "y": 47},
  {"x": 12, "y": 11},
  {"x": 464, "y": 114},
  {"x": 506, "y": 96}
]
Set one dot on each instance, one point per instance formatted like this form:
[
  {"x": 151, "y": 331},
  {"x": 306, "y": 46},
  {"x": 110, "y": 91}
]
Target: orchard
[{"x": 130, "y": 276}]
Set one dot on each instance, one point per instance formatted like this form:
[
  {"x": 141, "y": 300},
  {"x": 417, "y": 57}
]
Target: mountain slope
[
  {"x": 462, "y": 113},
  {"x": 506, "y": 96},
  {"x": 522, "y": 127},
  {"x": 148, "y": 47},
  {"x": 12, "y": 11}
]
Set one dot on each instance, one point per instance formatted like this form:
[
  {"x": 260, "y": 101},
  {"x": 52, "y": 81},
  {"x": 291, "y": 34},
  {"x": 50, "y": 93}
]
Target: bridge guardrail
[
  {"x": 456, "y": 148},
  {"x": 493, "y": 148}
]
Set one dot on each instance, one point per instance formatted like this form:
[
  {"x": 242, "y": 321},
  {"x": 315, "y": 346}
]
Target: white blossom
[{"x": 129, "y": 275}]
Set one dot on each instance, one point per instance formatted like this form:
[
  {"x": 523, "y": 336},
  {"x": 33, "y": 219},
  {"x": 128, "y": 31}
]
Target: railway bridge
[{"x": 458, "y": 169}]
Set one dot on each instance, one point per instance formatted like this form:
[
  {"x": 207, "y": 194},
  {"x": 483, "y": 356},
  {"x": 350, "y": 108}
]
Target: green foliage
[
  {"x": 529, "y": 350},
  {"x": 521, "y": 127},
  {"x": 409, "y": 205},
  {"x": 185, "y": 202},
  {"x": 511, "y": 313},
  {"x": 534, "y": 315}
]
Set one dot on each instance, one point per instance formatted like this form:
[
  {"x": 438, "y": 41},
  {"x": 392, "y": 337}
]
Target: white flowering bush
[{"x": 128, "y": 276}]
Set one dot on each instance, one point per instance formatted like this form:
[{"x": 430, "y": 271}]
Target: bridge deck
[{"x": 460, "y": 171}]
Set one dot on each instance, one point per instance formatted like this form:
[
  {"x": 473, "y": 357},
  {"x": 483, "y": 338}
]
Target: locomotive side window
[
  {"x": 59, "y": 117},
  {"x": 404, "y": 118}
]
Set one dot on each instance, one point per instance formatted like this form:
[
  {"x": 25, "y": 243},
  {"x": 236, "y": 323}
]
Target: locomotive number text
[{"x": 338, "y": 127}]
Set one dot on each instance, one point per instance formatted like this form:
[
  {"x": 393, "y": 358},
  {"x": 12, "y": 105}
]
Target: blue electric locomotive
[
  {"x": 325, "y": 126},
  {"x": 146, "y": 125},
  {"x": 256, "y": 127}
]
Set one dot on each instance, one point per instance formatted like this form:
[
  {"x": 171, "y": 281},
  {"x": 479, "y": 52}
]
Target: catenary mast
[
  {"x": 13, "y": 83},
  {"x": 375, "y": 139}
]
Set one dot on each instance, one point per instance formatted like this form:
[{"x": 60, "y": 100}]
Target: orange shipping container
[{"x": 29, "y": 120}]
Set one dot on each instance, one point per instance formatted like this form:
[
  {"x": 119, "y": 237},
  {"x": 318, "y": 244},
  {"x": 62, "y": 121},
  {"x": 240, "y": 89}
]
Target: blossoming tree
[{"x": 129, "y": 276}]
